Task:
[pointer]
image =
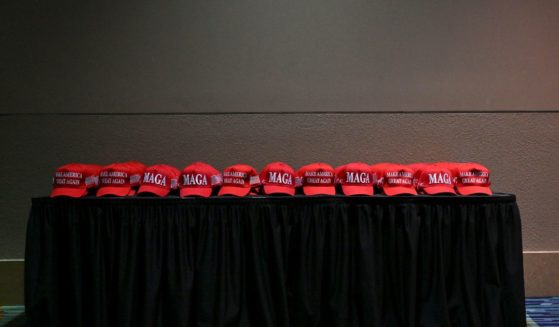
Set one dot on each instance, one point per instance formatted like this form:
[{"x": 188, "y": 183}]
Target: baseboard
[
  {"x": 11, "y": 282},
  {"x": 541, "y": 276},
  {"x": 12, "y": 316}
]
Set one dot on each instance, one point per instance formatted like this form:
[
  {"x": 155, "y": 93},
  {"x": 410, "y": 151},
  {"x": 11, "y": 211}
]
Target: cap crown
[
  {"x": 435, "y": 179},
  {"x": 163, "y": 176},
  {"x": 316, "y": 174},
  {"x": 377, "y": 171},
  {"x": 278, "y": 173},
  {"x": 136, "y": 171},
  {"x": 356, "y": 173},
  {"x": 76, "y": 175},
  {"x": 74, "y": 179},
  {"x": 118, "y": 174},
  {"x": 240, "y": 176},
  {"x": 417, "y": 168},
  {"x": 397, "y": 175},
  {"x": 472, "y": 174},
  {"x": 397, "y": 179},
  {"x": 92, "y": 175},
  {"x": 199, "y": 174}
]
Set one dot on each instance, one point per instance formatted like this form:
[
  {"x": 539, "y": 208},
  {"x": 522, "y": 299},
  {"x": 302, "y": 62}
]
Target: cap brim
[
  {"x": 234, "y": 190},
  {"x": 397, "y": 190},
  {"x": 357, "y": 190},
  {"x": 71, "y": 192},
  {"x": 440, "y": 189},
  {"x": 196, "y": 191},
  {"x": 470, "y": 190},
  {"x": 319, "y": 190},
  {"x": 159, "y": 191},
  {"x": 116, "y": 191},
  {"x": 278, "y": 189}
]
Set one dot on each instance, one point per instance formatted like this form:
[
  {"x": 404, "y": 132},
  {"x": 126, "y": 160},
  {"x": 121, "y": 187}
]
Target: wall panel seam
[{"x": 11, "y": 114}]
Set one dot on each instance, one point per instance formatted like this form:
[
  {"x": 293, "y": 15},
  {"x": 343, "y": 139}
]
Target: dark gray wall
[
  {"x": 119, "y": 80},
  {"x": 278, "y": 55}
]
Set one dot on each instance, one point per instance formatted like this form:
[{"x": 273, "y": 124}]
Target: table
[{"x": 275, "y": 261}]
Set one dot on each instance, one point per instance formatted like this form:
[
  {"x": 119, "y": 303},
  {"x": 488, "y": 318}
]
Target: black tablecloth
[{"x": 283, "y": 261}]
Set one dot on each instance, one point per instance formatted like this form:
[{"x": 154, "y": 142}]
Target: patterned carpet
[{"x": 541, "y": 312}]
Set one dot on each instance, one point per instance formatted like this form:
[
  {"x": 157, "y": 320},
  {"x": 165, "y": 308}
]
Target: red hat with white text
[
  {"x": 74, "y": 180},
  {"x": 377, "y": 170},
  {"x": 278, "y": 178},
  {"x": 199, "y": 179},
  {"x": 435, "y": 179},
  {"x": 417, "y": 167},
  {"x": 397, "y": 179},
  {"x": 239, "y": 180},
  {"x": 317, "y": 179},
  {"x": 159, "y": 180},
  {"x": 472, "y": 178},
  {"x": 355, "y": 178},
  {"x": 120, "y": 179}
]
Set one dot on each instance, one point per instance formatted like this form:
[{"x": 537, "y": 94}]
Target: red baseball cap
[
  {"x": 417, "y": 167},
  {"x": 452, "y": 166},
  {"x": 137, "y": 171},
  {"x": 199, "y": 179},
  {"x": 74, "y": 179},
  {"x": 120, "y": 179},
  {"x": 317, "y": 178},
  {"x": 355, "y": 178},
  {"x": 397, "y": 179},
  {"x": 278, "y": 178},
  {"x": 159, "y": 180},
  {"x": 435, "y": 179},
  {"x": 239, "y": 180},
  {"x": 377, "y": 171},
  {"x": 472, "y": 178}
]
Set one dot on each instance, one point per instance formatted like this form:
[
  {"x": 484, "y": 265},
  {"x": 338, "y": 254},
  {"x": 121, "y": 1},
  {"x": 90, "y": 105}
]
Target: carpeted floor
[{"x": 541, "y": 312}]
